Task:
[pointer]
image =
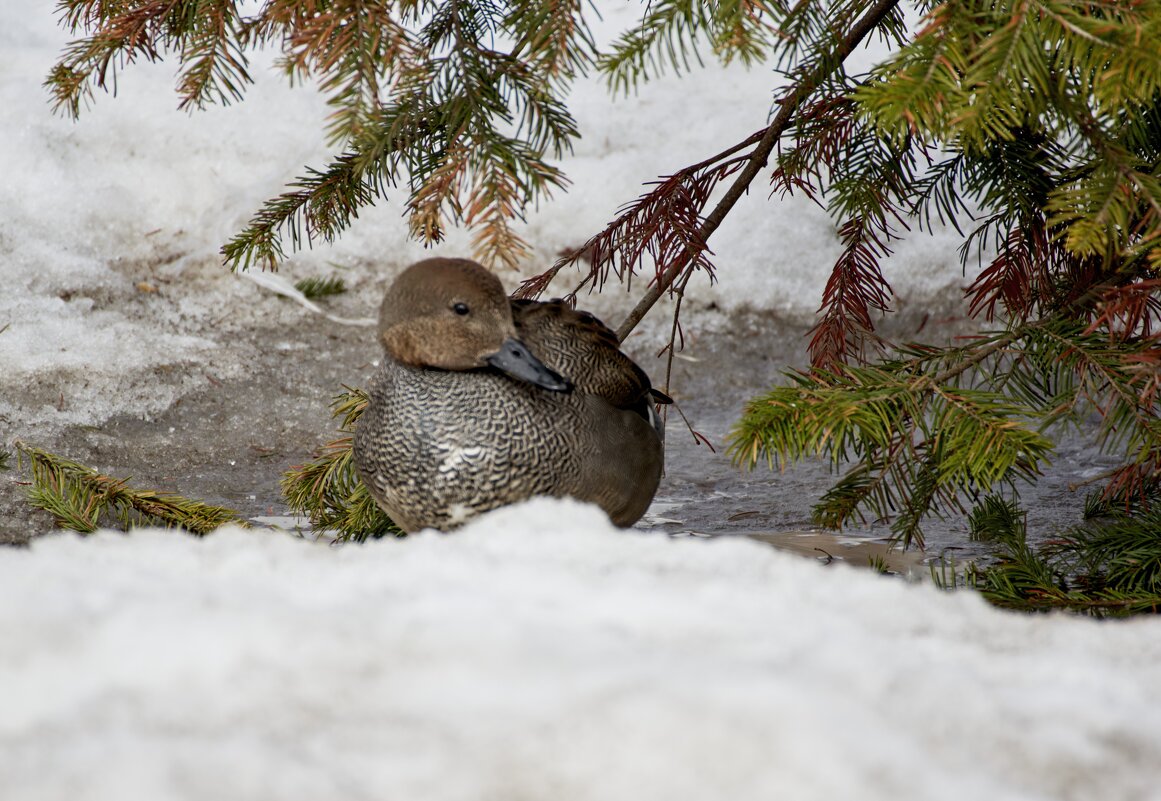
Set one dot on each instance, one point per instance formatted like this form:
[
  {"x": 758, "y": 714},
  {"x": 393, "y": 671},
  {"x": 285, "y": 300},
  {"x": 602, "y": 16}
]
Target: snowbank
[{"x": 542, "y": 654}]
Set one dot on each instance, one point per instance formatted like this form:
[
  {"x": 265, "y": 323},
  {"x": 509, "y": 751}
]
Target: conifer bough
[{"x": 80, "y": 499}]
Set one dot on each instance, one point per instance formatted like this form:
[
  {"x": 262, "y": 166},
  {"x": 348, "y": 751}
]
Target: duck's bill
[{"x": 516, "y": 360}]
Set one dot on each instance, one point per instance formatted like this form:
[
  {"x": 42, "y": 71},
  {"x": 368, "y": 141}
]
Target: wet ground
[{"x": 232, "y": 433}]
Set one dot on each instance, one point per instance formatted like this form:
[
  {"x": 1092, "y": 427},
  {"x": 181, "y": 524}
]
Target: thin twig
[
  {"x": 698, "y": 437},
  {"x": 759, "y": 158},
  {"x": 675, "y": 330},
  {"x": 977, "y": 357},
  {"x": 672, "y": 348},
  {"x": 1073, "y": 486}
]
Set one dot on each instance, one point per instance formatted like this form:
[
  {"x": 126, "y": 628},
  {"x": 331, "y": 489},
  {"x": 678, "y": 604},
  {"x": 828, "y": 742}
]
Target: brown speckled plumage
[{"x": 447, "y": 435}]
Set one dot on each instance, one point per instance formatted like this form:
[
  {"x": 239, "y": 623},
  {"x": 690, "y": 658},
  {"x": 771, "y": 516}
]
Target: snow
[{"x": 538, "y": 653}]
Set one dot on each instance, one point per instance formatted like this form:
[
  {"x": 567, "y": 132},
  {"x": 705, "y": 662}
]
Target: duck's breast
[{"x": 436, "y": 447}]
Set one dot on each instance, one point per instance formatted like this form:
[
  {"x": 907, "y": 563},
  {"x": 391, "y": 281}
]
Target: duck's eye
[{"x": 460, "y": 308}]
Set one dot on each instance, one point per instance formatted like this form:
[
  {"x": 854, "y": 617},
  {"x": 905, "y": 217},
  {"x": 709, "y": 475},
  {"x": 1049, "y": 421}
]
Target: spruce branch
[
  {"x": 125, "y": 33},
  {"x": 555, "y": 34},
  {"x": 666, "y": 37},
  {"x": 855, "y": 289},
  {"x": 422, "y": 96},
  {"x": 207, "y": 37},
  {"x": 1020, "y": 90},
  {"x": 323, "y": 204},
  {"x": 961, "y": 421},
  {"x": 217, "y": 70},
  {"x": 660, "y": 224},
  {"x": 353, "y": 47},
  {"x": 821, "y": 129},
  {"x": 919, "y": 439},
  {"x": 1091, "y": 373},
  {"x": 996, "y": 518},
  {"x": 78, "y": 496},
  {"x": 928, "y": 496},
  {"x": 1110, "y": 566},
  {"x": 757, "y": 159},
  {"x": 670, "y": 33},
  {"x": 1132, "y": 486},
  {"x": 328, "y": 490},
  {"x": 1129, "y": 312},
  {"x": 1020, "y": 276}
]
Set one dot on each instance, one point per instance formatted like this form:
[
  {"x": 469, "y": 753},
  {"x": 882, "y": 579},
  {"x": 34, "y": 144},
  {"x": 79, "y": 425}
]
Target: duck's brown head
[{"x": 452, "y": 314}]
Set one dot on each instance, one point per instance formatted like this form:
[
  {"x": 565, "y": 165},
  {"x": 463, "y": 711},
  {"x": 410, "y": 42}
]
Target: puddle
[{"x": 830, "y": 548}]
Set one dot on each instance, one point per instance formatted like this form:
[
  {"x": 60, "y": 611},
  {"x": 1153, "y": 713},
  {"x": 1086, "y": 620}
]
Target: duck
[{"x": 483, "y": 401}]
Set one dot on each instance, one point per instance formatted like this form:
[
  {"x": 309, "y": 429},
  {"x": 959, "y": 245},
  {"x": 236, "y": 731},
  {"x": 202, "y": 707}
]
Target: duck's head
[{"x": 452, "y": 314}]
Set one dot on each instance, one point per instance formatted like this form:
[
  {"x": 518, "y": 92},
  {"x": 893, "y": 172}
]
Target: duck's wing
[{"x": 583, "y": 349}]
